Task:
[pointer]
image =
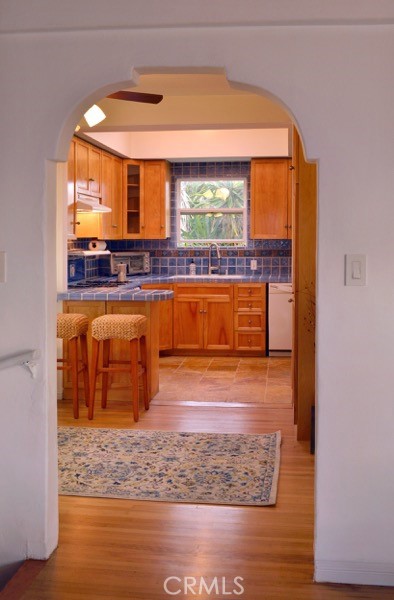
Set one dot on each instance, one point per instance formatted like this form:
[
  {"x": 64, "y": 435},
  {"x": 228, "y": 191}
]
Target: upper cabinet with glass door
[{"x": 146, "y": 199}]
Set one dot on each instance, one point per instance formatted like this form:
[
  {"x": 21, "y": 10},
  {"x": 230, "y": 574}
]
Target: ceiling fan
[
  {"x": 95, "y": 115},
  {"x": 137, "y": 97}
]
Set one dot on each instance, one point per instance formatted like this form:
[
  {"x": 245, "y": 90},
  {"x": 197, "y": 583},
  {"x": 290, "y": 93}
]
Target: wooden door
[
  {"x": 269, "y": 198},
  {"x": 111, "y": 187},
  {"x": 304, "y": 285},
  {"x": 156, "y": 199},
  {"x": 94, "y": 165},
  {"x": 82, "y": 166},
  {"x": 218, "y": 323},
  {"x": 188, "y": 323}
]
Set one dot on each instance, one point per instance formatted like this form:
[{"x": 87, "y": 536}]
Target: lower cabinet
[
  {"x": 203, "y": 317},
  {"x": 250, "y": 317}
]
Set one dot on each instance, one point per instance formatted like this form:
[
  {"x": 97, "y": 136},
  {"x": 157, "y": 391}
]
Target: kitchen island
[
  {"x": 123, "y": 299},
  {"x": 214, "y": 314}
]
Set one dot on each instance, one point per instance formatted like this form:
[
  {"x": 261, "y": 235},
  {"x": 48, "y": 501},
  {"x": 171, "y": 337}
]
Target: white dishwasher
[{"x": 280, "y": 317}]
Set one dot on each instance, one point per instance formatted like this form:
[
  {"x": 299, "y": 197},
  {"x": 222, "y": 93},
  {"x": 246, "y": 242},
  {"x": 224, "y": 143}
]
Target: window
[{"x": 211, "y": 210}]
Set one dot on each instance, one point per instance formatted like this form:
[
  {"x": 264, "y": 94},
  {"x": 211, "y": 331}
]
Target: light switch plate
[
  {"x": 3, "y": 269},
  {"x": 355, "y": 269}
]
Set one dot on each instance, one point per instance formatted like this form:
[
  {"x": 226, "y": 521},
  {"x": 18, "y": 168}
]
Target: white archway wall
[{"x": 338, "y": 83}]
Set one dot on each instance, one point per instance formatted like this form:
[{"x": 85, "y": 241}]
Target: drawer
[
  {"x": 252, "y": 290},
  {"x": 249, "y": 304},
  {"x": 197, "y": 290},
  {"x": 249, "y": 321},
  {"x": 249, "y": 341}
]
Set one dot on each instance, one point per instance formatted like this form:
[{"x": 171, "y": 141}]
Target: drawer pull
[
  {"x": 250, "y": 305},
  {"x": 250, "y": 322}
]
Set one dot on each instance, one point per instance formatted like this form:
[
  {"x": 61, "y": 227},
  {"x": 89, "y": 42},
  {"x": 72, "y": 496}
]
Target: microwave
[{"x": 136, "y": 263}]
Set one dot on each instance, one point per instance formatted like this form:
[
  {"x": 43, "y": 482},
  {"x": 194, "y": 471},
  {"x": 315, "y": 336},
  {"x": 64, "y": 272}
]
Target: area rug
[{"x": 212, "y": 468}]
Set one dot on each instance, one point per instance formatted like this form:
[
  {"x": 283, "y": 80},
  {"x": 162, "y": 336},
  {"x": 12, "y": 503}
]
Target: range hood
[{"x": 90, "y": 204}]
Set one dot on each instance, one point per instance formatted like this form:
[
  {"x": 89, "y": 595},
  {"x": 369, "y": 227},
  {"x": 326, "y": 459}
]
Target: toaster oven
[{"x": 137, "y": 263}]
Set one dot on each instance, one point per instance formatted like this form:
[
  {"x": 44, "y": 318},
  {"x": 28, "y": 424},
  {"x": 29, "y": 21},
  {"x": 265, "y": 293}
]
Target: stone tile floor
[{"x": 199, "y": 379}]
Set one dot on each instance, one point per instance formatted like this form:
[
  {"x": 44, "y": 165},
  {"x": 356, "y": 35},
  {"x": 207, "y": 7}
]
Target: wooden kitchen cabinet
[
  {"x": 270, "y": 198},
  {"x": 146, "y": 199},
  {"x": 165, "y": 316},
  {"x": 111, "y": 184},
  {"x": 203, "y": 317},
  {"x": 98, "y": 174},
  {"x": 132, "y": 204},
  {"x": 250, "y": 317},
  {"x": 156, "y": 199},
  {"x": 88, "y": 168}
]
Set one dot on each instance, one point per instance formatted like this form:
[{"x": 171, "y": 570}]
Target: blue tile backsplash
[{"x": 273, "y": 256}]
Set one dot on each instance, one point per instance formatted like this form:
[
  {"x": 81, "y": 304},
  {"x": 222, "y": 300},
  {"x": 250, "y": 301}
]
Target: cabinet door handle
[
  {"x": 91, "y": 179},
  {"x": 201, "y": 311},
  {"x": 114, "y": 225}
]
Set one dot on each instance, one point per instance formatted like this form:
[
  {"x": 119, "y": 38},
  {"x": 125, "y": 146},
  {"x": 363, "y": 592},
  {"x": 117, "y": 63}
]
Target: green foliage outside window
[{"x": 212, "y": 210}]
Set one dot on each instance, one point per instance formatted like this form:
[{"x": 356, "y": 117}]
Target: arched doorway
[{"x": 167, "y": 521}]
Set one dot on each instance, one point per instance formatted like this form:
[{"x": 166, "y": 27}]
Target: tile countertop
[{"x": 125, "y": 292}]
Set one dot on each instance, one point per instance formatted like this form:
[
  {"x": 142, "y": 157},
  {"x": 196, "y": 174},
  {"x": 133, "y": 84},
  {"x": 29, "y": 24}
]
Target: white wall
[{"x": 338, "y": 82}]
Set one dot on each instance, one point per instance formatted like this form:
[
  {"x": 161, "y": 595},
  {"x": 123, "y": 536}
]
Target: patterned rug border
[{"x": 274, "y": 479}]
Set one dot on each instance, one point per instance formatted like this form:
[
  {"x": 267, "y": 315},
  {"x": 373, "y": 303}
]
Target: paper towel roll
[{"x": 97, "y": 245}]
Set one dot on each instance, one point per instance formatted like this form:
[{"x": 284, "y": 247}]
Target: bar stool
[
  {"x": 73, "y": 327},
  {"x": 132, "y": 328}
]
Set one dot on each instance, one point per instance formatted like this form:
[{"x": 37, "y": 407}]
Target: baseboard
[{"x": 362, "y": 573}]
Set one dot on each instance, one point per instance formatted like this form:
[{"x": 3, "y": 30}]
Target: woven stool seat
[
  {"x": 71, "y": 325},
  {"x": 120, "y": 327}
]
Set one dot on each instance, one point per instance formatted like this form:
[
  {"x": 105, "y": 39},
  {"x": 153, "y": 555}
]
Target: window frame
[{"x": 207, "y": 242}]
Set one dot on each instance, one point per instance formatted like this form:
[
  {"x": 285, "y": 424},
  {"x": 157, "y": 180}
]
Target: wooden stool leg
[
  {"x": 144, "y": 371},
  {"x": 85, "y": 366},
  {"x": 134, "y": 376},
  {"x": 106, "y": 350},
  {"x": 73, "y": 351},
  {"x": 93, "y": 376}
]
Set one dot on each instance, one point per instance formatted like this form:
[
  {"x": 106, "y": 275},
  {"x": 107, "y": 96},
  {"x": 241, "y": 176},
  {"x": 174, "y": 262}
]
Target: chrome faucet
[{"x": 218, "y": 255}]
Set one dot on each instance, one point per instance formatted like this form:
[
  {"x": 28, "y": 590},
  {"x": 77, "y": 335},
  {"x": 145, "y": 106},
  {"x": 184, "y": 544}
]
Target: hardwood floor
[{"x": 110, "y": 549}]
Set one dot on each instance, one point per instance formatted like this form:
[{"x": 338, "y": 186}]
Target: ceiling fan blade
[{"x": 137, "y": 97}]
